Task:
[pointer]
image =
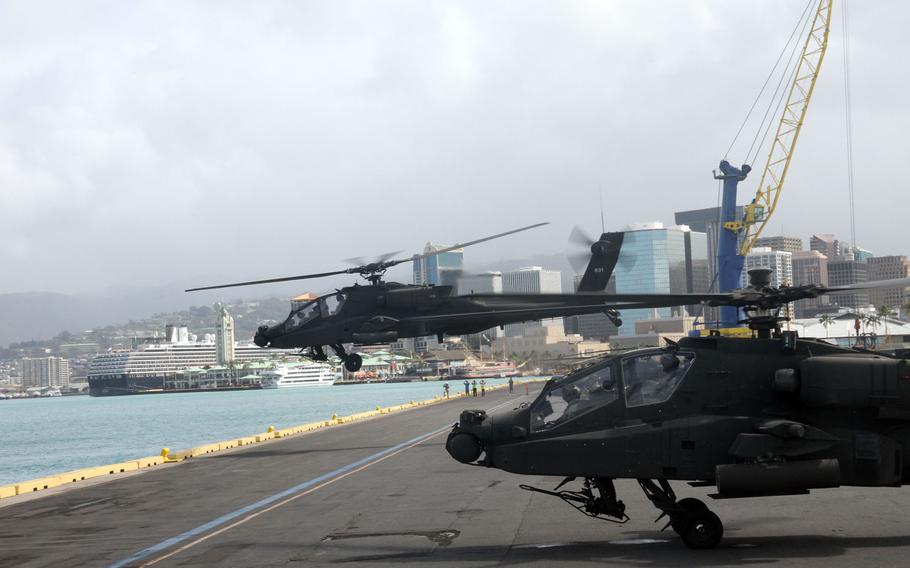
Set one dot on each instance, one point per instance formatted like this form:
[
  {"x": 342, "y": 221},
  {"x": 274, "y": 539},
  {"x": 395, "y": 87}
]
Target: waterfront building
[
  {"x": 886, "y": 268},
  {"x": 532, "y": 280},
  {"x": 45, "y": 371},
  {"x": 810, "y": 267},
  {"x": 224, "y": 336},
  {"x": 781, "y": 243},
  {"x": 438, "y": 269},
  {"x": 844, "y": 271},
  {"x": 542, "y": 344},
  {"x": 780, "y": 263},
  {"x": 659, "y": 260},
  {"x": 842, "y": 330},
  {"x": 654, "y": 332}
]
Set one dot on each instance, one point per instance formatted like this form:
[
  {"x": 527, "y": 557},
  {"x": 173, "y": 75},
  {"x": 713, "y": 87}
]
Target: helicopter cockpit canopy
[
  {"x": 652, "y": 377},
  {"x": 325, "y": 306},
  {"x": 649, "y": 377},
  {"x": 574, "y": 396}
]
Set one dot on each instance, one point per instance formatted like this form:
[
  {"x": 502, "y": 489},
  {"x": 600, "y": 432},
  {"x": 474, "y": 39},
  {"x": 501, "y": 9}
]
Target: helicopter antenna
[{"x": 603, "y": 228}]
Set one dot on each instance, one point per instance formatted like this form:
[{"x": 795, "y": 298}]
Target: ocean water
[{"x": 44, "y": 436}]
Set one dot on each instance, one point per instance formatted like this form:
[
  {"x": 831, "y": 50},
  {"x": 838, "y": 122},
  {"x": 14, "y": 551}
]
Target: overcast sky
[{"x": 146, "y": 143}]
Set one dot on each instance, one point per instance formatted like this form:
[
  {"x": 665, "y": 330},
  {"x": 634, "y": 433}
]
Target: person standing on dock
[
  {"x": 474, "y": 387},
  {"x": 511, "y": 385},
  {"x": 467, "y": 387},
  {"x": 445, "y": 388},
  {"x": 483, "y": 387}
]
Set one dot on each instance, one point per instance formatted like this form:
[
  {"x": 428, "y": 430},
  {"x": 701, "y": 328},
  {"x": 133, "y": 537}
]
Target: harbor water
[{"x": 43, "y": 436}]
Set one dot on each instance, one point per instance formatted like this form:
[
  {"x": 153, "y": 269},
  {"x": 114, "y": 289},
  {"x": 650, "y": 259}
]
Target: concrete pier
[{"x": 384, "y": 492}]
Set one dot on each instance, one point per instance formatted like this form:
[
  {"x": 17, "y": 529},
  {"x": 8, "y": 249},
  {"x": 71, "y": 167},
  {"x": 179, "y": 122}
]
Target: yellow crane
[{"x": 757, "y": 213}]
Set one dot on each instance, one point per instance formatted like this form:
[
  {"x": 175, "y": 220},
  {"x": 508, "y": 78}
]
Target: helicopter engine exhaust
[{"x": 776, "y": 478}]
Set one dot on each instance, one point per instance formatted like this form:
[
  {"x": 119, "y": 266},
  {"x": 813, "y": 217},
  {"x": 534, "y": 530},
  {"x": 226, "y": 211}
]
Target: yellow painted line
[{"x": 74, "y": 476}]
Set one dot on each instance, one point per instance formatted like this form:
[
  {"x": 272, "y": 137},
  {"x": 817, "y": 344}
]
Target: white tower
[{"x": 224, "y": 336}]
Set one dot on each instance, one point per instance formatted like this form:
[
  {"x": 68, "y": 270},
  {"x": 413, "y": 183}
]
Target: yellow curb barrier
[{"x": 167, "y": 456}]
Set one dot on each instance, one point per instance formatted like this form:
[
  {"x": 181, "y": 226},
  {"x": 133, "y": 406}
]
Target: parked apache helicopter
[
  {"x": 771, "y": 415},
  {"x": 382, "y": 312}
]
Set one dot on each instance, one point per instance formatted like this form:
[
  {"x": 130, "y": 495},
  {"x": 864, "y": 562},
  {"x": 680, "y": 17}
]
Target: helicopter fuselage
[
  {"x": 728, "y": 405},
  {"x": 386, "y": 312}
]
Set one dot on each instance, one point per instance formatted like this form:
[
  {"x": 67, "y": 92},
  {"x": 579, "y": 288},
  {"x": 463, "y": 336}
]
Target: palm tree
[
  {"x": 827, "y": 321},
  {"x": 872, "y": 320},
  {"x": 906, "y": 309},
  {"x": 884, "y": 312}
]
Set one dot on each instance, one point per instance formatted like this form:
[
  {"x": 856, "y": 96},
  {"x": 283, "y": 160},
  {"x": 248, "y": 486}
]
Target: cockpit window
[
  {"x": 331, "y": 305},
  {"x": 653, "y": 377},
  {"x": 567, "y": 400},
  {"x": 303, "y": 314}
]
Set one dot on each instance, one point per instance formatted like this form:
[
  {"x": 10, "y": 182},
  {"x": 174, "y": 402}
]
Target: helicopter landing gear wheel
[
  {"x": 701, "y": 529},
  {"x": 353, "y": 362},
  {"x": 689, "y": 504},
  {"x": 690, "y": 518}
]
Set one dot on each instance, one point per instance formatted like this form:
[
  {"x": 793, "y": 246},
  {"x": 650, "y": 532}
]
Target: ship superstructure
[
  {"x": 299, "y": 375},
  {"x": 149, "y": 367}
]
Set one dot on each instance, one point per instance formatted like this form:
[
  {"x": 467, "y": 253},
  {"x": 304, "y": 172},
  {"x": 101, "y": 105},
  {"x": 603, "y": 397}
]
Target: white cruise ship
[
  {"x": 298, "y": 375},
  {"x": 148, "y": 367}
]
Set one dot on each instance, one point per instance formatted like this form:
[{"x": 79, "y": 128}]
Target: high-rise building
[
  {"x": 486, "y": 283},
  {"x": 886, "y": 268},
  {"x": 224, "y": 336},
  {"x": 593, "y": 326},
  {"x": 706, "y": 221},
  {"x": 827, "y": 245},
  {"x": 659, "y": 260},
  {"x": 45, "y": 371},
  {"x": 532, "y": 280},
  {"x": 810, "y": 267},
  {"x": 843, "y": 272},
  {"x": 862, "y": 254},
  {"x": 780, "y": 263},
  {"x": 438, "y": 269},
  {"x": 781, "y": 243}
]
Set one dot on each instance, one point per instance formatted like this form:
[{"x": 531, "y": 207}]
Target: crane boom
[{"x": 757, "y": 214}]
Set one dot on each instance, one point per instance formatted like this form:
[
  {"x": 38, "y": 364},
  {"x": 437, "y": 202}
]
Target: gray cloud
[{"x": 146, "y": 143}]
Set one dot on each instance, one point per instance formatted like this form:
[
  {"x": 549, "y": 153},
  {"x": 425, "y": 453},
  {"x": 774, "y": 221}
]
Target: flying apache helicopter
[
  {"x": 382, "y": 312},
  {"x": 771, "y": 415}
]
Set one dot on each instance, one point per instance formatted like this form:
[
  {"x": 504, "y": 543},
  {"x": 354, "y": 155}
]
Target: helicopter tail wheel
[
  {"x": 701, "y": 529},
  {"x": 353, "y": 362}
]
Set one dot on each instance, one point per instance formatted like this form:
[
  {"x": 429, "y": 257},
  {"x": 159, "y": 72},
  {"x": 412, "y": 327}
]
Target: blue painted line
[{"x": 224, "y": 519}]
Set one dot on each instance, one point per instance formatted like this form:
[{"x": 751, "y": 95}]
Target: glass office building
[
  {"x": 439, "y": 269},
  {"x": 660, "y": 260}
]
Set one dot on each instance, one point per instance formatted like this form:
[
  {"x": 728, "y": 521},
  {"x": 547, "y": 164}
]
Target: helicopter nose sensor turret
[
  {"x": 464, "y": 441},
  {"x": 261, "y": 338}
]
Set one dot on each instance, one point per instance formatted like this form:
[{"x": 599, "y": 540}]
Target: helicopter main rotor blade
[
  {"x": 893, "y": 283},
  {"x": 271, "y": 280},
  {"x": 462, "y": 245}
]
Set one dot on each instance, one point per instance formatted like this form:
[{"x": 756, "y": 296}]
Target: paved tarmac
[{"x": 385, "y": 493}]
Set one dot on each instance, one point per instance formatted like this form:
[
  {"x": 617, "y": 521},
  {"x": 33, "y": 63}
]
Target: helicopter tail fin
[{"x": 604, "y": 254}]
